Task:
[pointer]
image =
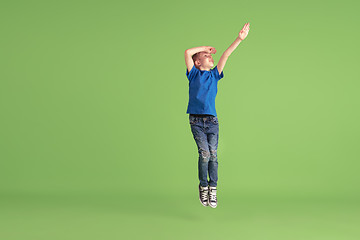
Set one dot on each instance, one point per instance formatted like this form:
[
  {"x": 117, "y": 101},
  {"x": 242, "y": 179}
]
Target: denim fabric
[{"x": 206, "y": 134}]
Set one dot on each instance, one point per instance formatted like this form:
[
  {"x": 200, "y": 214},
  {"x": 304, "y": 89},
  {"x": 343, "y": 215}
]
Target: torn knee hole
[{"x": 204, "y": 153}]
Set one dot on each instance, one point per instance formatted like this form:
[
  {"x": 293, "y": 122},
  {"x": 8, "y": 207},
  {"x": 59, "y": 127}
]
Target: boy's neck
[{"x": 204, "y": 69}]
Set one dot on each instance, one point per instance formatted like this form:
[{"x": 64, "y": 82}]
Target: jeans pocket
[
  {"x": 215, "y": 120},
  {"x": 192, "y": 120}
]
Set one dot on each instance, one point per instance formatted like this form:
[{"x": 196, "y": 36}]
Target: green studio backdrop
[{"x": 96, "y": 143}]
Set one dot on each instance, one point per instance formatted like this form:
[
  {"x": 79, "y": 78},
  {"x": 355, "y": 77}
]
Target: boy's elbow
[{"x": 188, "y": 52}]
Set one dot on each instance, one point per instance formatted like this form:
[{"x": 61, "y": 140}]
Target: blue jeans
[{"x": 205, "y": 130}]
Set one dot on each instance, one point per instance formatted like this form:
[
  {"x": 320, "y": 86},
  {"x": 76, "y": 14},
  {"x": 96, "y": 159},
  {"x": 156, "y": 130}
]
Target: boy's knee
[
  {"x": 213, "y": 155},
  {"x": 205, "y": 155}
]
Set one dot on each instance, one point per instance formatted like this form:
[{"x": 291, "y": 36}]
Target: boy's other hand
[
  {"x": 244, "y": 31},
  {"x": 211, "y": 50}
]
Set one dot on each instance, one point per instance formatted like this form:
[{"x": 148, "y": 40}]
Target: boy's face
[{"x": 205, "y": 60}]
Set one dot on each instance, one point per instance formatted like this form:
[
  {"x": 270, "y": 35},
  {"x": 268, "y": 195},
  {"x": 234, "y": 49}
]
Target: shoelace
[
  {"x": 212, "y": 195},
  {"x": 204, "y": 195}
]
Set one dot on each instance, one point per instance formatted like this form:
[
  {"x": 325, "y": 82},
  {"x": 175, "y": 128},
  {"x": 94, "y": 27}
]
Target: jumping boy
[{"x": 202, "y": 114}]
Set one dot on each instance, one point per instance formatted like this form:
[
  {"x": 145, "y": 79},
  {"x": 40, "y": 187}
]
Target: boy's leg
[
  {"x": 203, "y": 149},
  {"x": 213, "y": 138}
]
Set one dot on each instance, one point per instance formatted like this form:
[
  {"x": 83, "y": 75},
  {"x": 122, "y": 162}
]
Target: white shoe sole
[{"x": 212, "y": 206}]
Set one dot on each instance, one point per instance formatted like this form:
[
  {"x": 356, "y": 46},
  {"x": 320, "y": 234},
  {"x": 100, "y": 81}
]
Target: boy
[{"x": 202, "y": 114}]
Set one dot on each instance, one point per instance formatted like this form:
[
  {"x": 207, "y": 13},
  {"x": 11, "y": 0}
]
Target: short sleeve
[
  {"x": 217, "y": 75},
  {"x": 190, "y": 75}
]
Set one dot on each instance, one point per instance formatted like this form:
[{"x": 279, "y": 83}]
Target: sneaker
[
  {"x": 203, "y": 195},
  {"x": 212, "y": 197}
]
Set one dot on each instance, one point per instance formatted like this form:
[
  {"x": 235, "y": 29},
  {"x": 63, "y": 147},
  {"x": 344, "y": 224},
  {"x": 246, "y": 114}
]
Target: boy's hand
[
  {"x": 244, "y": 31},
  {"x": 211, "y": 50}
]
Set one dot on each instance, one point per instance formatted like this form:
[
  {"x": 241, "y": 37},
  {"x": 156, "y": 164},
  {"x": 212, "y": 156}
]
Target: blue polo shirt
[{"x": 203, "y": 90}]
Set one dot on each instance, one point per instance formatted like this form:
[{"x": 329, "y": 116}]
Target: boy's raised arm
[
  {"x": 191, "y": 51},
  {"x": 194, "y": 50},
  {"x": 242, "y": 35}
]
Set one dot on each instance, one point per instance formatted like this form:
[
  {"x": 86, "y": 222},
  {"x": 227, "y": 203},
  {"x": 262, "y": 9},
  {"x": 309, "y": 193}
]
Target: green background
[{"x": 96, "y": 143}]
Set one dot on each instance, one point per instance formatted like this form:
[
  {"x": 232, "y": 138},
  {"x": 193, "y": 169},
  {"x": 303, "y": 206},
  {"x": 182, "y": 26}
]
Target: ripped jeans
[{"x": 205, "y": 130}]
